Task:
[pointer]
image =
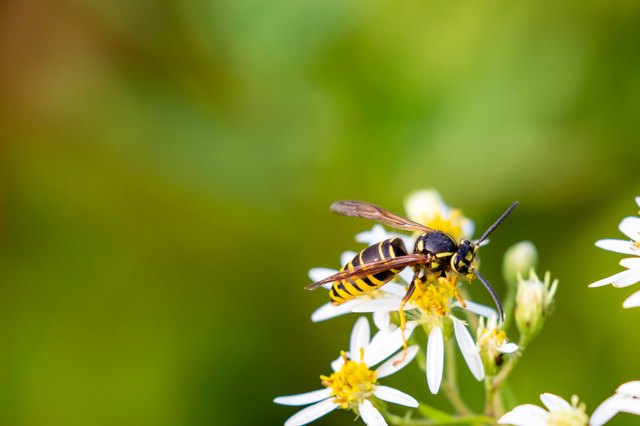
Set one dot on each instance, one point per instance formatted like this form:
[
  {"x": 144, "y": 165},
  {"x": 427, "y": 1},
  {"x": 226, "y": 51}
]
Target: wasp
[{"x": 434, "y": 254}]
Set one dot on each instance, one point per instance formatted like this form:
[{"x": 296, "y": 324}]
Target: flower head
[
  {"x": 432, "y": 305},
  {"x": 533, "y": 303},
  {"x": 625, "y": 400},
  {"x": 493, "y": 345},
  {"x": 354, "y": 383},
  {"x": 428, "y": 208},
  {"x": 630, "y": 226},
  {"x": 558, "y": 413}
]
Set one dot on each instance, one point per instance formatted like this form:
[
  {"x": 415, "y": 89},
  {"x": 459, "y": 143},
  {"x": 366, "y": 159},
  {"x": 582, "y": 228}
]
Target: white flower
[
  {"x": 428, "y": 208},
  {"x": 431, "y": 306},
  {"x": 354, "y": 383},
  {"x": 559, "y": 413},
  {"x": 630, "y": 226},
  {"x": 625, "y": 400},
  {"x": 493, "y": 344}
]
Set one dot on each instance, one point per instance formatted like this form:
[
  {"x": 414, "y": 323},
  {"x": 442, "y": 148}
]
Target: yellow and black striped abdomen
[{"x": 348, "y": 289}]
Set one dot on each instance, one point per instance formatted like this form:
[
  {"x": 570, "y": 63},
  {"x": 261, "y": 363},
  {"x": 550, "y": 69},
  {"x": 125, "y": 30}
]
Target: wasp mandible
[{"x": 434, "y": 254}]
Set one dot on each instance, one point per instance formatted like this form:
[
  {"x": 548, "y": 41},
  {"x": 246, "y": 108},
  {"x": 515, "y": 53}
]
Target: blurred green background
[{"x": 167, "y": 168}]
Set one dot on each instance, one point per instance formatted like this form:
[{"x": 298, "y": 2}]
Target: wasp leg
[
  {"x": 456, "y": 294},
  {"x": 403, "y": 318}
]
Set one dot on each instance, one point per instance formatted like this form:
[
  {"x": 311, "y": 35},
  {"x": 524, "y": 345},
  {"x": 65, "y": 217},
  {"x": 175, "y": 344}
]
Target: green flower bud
[
  {"x": 533, "y": 302},
  {"x": 518, "y": 260}
]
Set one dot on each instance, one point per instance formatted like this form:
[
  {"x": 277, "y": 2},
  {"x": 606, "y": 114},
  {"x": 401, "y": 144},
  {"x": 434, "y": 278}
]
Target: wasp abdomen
[{"x": 346, "y": 290}]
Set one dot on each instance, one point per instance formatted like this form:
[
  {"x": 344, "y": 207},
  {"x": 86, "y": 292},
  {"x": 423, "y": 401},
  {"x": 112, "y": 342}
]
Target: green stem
[
  {"x": 407, "y": 421},
  {"x": 450, "y": 386},
  {"x": 493, "y": 403}
]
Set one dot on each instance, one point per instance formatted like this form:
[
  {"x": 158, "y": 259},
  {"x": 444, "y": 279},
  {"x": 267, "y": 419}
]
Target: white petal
[
  {"x": 611, "y": 279},
  {"x": 507, "y": 348},
  {"x": 631, "y": 262},
  {"x": 375, "y": 235},
  {"x": 359, "y": 337},
  {"x": 337, "y": 363},
  {"x": 478, "y": 309},
  {"x": 370, "y": 414},
  {"x": 435, "y": 359},
  {"x": 392, "y": 365},
  {"x": 467, "y": 229},
  {"x": 425, "y": 203},
  {"x": 317, "y": 274},
  {"x": 395, "y": 289},
  {"x": 631, "y": 406},
  {"x": 606, "y": 410},
  {"x": 525, "y": 415},
  {"x": 612, "y": 406},
  {"x": 304, "y": 398},
  {"x": 630, "y": 226},
  {"x": 347, "y": 256},
  {"x": 394, "y": 395},
  {"x": 386, "y": 304},
  {"x": 468, "y": 348},
  {"x": 383, "y": 344},
  {"x": 311, "y": 413},
  {"x": 328, "y": 310},
  {"x": 382, "y": 320},
  {"x": 407, "y": 275},
  {"x": 638, "y": 201},
  {"x": 632, "y": 278},
  {"x": 630, "y": 388},
  {"x": 617, "y": 246},
  {"x": 632, "y": 301},
  {"x": 554, "y": 402}
]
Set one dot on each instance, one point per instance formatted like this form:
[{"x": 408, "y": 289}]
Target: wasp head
[{"x": 462, "y": 259}]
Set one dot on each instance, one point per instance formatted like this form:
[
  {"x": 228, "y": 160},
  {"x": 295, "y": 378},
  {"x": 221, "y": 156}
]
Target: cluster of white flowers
[
  {"x": 443, "y": 313},
  {"x": 434, "y": 308},
  {"x": 627, "y": 396},
  {"x": 630, "y": 226}
]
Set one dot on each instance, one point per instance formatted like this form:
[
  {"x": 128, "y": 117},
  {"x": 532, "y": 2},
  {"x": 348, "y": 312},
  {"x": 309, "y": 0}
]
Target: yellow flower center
[
  {"x": 574, "y": 416},
  {"x": 451, "y": 225},
  {"x": 352, "y": 384},
  {"x": 434, "y": 295}
]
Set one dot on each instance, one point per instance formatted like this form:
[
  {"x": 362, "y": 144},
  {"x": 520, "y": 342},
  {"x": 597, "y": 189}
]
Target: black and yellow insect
[{"x": 434, "y": 254}]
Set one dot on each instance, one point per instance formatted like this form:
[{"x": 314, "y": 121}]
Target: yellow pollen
[
  {"x": 352, "y": 384},
  {"x": 451, "y": 225},
  {"x": 434, "y": 296},
  {"x": 574, "y": 416}
]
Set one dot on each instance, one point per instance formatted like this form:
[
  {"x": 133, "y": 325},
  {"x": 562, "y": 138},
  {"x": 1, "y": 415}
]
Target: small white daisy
[
  {"x": 630, "y": 226},
  {"x": 493, "y": 344},
  {"x": 354, "y": 384},
  {"x": 428, "y": 208},
  {"x": 558, "y": 413},
  {"x": 625, "y": 400}
]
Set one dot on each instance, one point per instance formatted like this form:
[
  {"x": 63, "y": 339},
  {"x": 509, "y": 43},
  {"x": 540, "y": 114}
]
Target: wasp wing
[
  {"x": 371, "y": 268},
  {"x": 373, "y": 212}
]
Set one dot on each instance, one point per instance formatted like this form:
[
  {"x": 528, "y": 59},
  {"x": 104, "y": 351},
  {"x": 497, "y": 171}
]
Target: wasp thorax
[{"x": 435, "y": 243}]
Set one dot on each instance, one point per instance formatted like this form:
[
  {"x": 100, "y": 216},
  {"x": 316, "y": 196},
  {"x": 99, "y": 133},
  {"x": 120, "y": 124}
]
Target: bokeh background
[{"x": 167, "y": 167}]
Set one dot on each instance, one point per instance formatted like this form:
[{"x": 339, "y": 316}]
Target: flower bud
[
  {"x": 533, "y": 301},
  {"x": 519, "y": 259}
]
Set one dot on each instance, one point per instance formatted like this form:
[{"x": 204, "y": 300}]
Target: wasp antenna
[
  {"x": 498, "y": 222},
  {"x": 490, "y": 289}
]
